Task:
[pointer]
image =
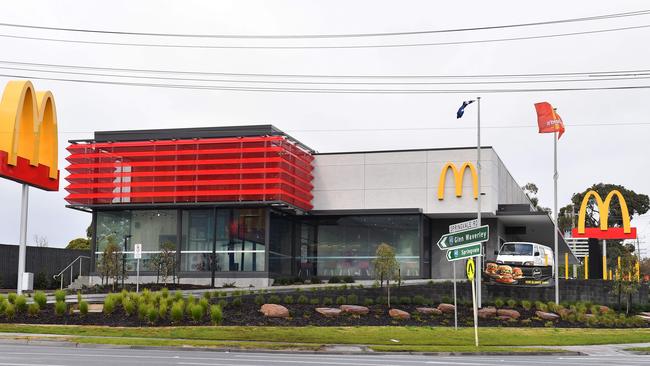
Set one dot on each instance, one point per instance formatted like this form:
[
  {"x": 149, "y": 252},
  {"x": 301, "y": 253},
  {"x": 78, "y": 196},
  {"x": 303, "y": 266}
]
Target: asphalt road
[{"x": 32, "y": 355}]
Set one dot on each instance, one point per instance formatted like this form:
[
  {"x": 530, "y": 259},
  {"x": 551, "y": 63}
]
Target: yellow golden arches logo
[
  {"x": 28, "y": 135},
  {"x": 458, "y": 179},
  {"x": 603, "y": 209}
]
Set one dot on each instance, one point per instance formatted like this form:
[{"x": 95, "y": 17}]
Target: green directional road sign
[
  {"x": 464, "y": 238},
  {"x": 456, "y": 254}
]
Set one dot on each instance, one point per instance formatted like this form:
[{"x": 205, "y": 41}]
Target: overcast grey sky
[{"x": 588, "y": 154}]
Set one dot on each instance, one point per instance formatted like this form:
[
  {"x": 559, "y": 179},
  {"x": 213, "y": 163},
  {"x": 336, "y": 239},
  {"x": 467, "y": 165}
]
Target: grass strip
[
  {"x": 465, "y": 349},
  {"x": 148, "y": 342},
  {"x": 423, "y": 336}
]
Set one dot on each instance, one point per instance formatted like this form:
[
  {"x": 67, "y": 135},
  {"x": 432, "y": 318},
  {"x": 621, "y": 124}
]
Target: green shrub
[
  {"x": 327, "y": 301},
  {"x": 368, "y": 301},
  {"x": 526, "y": 322},
  {"x": 197, "y": 313},
  {"x": 498, "y": 302},
  {"x": 143, "y": 310},
  {"x": 60, "y": 308},
  {"x": 79, "y": 297},
  {"x": 216, "y": 315},
  {"x": 274, "y": 299},
  {"x": 152, "y": 314},
  {"x": 223, "y": 303},
  {"x": 11, "y": 297},
  {"x": 33, "y": 309},
  {"x": 191, "y": 300},
  {"x": 341, "y": 300},
  {"x": 288, "y": 299},
  {"x": 314, "y": 301},
  {"x": 541, "y": 306},
  {"x": 3, "y": 305},
  {"x": 129, "y": 306},
  {"x": 21, "y": 304},
  {"x": 419, "y": 300},
  {"x": 259, "y": 300},
  {"x": 109, "y": 305},
  {"x": 165, "y": 292},
  {"x": 40, "y": 298},
  {"x": 205, "y": 304},
  {"x": 59, "y": 295},
  {"x": 83, "y": 307},
  {"x": 176, "y": 314},
  {"x": 405, "y": 300},
  {"x": 512, "y": 303},
  {"x": 178, "y": 295},
  {"x": 207, "y": 295},
  {"x": 353, "y": 299},
  {"x": 526, "y": 304},
  {"x": 334, "y": 279},
  {"x": 10, "y": 311},
  {"x": 347, "y": 279},
  {"x": 163, "y": 309},
  {"x": 315, "y": 281},
  {"x": 236, "y": 302},
  {"x": 445, "y": 299}
]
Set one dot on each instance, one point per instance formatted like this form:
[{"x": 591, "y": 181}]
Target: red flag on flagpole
[{"x": 548, "y": 120}]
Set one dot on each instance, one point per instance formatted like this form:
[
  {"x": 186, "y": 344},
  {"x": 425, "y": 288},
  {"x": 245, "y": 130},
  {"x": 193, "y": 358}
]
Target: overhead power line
[
  {"x": 230, "y": 81},
  {"x": 348, "y": 35},
  {"x": 394, "y": 45},
  {"x": 593, "y": 74},
  {"x": 330, "y": 90}
]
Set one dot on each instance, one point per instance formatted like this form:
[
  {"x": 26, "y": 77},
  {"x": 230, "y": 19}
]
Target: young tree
[
  {"x": 386, "y": 266},
  {"x": 626, "y": 283},
  {"x": 109, "y": 263},
  {"x": 163, "y": 263}
]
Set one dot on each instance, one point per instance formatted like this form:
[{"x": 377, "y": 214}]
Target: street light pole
[
  {"x": 479, "y": 265},
  {"x": 126, "y": 237}
]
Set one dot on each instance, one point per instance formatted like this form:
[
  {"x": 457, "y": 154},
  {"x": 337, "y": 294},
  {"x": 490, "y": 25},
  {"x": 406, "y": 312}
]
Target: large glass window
[
  {"x": 198, "y": 240},
  {"x": 112, "y": 228},
  {"x": 281, "y": 260},
  {"x": 346, "y": 245}
]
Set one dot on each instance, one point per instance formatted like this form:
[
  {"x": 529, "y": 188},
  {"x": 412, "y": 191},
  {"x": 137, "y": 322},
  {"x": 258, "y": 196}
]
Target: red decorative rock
[
  {"x": 509, "y": 313},
  {"x": 644, "y": 317},
  {"x": 488, "y": 312},
  {"x": 446, "y": 308},
  {"x": 603, "y": 309},
  {"x": 329, "y": 312},
  {"x": 274, "y": 311},
  {"x": 399, "y": 314},
  {"x": 354, "y": 309},
  {"x": 428, "y": 311},
  {"x": 547, "y": 316}
]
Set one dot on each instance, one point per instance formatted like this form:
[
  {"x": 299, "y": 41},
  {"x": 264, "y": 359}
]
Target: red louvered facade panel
[{"x": 223, "y": 169}]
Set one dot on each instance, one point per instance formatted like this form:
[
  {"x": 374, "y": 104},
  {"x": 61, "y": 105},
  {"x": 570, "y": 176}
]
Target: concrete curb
[{"x": 364, "y": 350}]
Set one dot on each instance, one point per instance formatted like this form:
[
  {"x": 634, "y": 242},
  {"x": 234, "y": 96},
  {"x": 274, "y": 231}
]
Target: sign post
[
  {"x": 471, "y": 269},
  {"x": 455, "y": 297},
  {"x": 137, "y": 254}
]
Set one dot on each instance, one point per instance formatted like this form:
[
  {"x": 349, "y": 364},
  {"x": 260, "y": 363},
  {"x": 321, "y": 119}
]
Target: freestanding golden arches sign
[
  {"x": 458, "y": 179},
  {"x": 28, "y": 136},
  {"x": 604, "y": 232}
]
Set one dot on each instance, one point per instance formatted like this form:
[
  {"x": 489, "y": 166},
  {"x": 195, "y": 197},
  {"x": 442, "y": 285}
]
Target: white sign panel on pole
[
  {"x": 137, "y": 251},
  {"x": 463, "y": 225}
]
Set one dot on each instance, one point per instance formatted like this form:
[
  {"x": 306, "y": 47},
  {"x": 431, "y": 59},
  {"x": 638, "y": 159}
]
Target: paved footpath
[{"x": 48, "y": 355}]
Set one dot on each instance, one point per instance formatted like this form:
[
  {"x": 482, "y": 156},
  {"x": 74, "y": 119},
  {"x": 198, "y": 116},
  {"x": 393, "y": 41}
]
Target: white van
[{"x": 536, "y": 260}]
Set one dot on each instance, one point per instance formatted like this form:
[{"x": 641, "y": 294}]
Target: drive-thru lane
[{"x": 35, "y": 355}]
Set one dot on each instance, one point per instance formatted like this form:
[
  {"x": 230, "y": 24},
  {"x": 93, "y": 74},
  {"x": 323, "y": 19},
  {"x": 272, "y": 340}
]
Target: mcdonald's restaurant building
[{"x": 251, "y": 204}]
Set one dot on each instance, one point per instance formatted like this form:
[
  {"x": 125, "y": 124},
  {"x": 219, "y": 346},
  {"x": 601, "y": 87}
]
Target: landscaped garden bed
[{"x": 299, "y": 308}]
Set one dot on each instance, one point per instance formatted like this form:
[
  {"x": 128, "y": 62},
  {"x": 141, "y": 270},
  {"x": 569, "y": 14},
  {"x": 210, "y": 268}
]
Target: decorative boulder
[
  {"x": 645, "y": 313},
  {"x": 399, "y": 314},
  {"x": 446, "y": 308},
  {"x": 329, "y": 312},
  {"x": 603, "y": 309},
  {"x": 354, "y": 309},
  {"x": 504, "y": 317},
  {"x": 514, "y": 314},
  {"x": 428, "y": 311},
  {"x": 547, "y": 316},
  {"x": 488, "y": 312},
  {"x": 274, "y": 311},
  {"x": 644, "y": 317}
]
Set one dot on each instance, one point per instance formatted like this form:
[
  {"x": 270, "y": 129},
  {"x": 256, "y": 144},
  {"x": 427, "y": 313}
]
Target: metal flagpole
[
  {"x": 22, "y": 251},
  {"x": 555, "y": 176},
  {"x": 479, "y": 266}
]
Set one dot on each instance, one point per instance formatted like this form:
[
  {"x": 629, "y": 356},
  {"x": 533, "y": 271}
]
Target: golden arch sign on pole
[
  {"x": 28, "y": 136},
  {"x": 604, "y": 232},
  {"x": 458, "y": 179}
]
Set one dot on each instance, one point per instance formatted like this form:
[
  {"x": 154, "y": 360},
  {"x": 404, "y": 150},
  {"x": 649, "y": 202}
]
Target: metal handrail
[{"x": 60, "y": 274}]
